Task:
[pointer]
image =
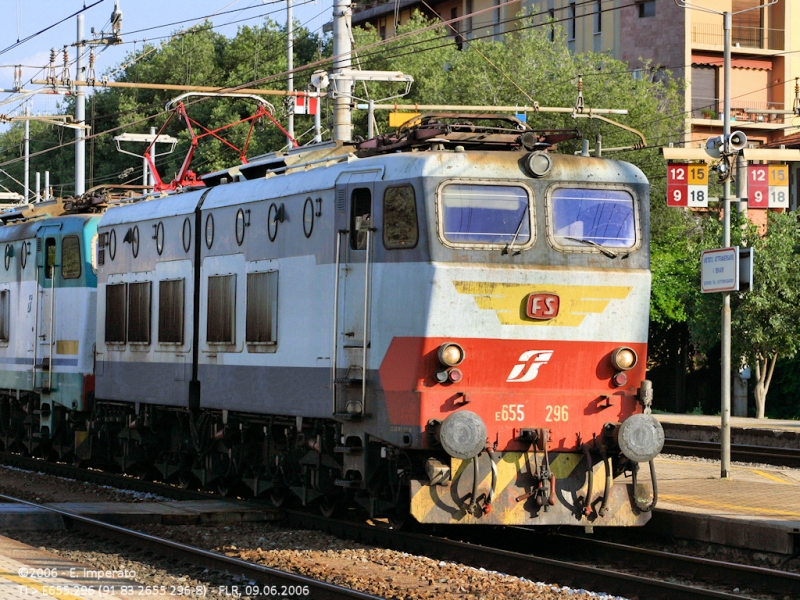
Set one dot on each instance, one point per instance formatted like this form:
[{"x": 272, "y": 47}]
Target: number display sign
[
  {"x": 768, "y": 186},
  {"x": 687, "y": 184},
  {"x": 779, "y": 186},
  {"x": 757, "y": 186}
]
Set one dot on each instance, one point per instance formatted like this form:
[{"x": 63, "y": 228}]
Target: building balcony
[
  {"x": 708, "y": 34},
  {"x": 713, "y": 108}
]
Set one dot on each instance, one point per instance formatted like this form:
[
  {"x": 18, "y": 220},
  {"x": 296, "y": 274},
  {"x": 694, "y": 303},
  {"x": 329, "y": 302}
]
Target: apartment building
[
  {"x": 688, "y": 42},
  {"x": 387, "y": 15},
  {"x": 654, "y": 36}
]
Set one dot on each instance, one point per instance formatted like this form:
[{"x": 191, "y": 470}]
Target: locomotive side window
[
  {"x": 70, "y": 257},
  {"x": 221, "y": 323},
  {"x": 262, "y": 308},
  {"x": 485, "y": 214},
  {"x": 400, "y": 217},
  {"x": 584, "y": 218},
  {"x": 170, "y": 311},
  {"x": 116, "y": 317},
  {"x": 360, "y": 217},
  {"x": 49, "y": 257},
  {"x": 139, "y": 312},
  {"x": 5, "y": 314}
]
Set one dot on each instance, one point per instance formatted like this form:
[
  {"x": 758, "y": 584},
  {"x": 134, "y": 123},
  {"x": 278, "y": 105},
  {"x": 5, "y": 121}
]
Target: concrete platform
[
  {"x": 191, "y": 512},
  {"x": 756, "y": 509},
  {"x": 745, "y": 431},
  {"x": 27, "y": 572}
]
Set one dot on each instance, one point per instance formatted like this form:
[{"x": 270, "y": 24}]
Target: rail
[
  {"x": 785, "y": 457},
  {"x": 741, "y": 37},
  {"x": 258, "y": 574}
]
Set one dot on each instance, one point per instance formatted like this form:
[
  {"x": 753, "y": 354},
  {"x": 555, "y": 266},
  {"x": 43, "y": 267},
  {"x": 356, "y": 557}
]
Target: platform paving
[{"x": 757, "y": 508}]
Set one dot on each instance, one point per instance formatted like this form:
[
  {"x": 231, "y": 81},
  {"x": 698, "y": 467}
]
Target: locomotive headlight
[
  {"x": 451, "y": 354},
  {"x": 623, "y": 358}
]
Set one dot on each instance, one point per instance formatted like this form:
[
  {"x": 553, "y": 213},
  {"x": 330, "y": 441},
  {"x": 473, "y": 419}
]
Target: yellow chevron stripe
[{"x": 508, "y": 300}]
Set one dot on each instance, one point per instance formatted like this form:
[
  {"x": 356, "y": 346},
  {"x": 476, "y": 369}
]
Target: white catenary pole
[
  {"x": 27, "y": 150},
  {"x": 342, "y": 52},
  {"x": 289, "y": 68},
  {"x": 80, "y": 117}
]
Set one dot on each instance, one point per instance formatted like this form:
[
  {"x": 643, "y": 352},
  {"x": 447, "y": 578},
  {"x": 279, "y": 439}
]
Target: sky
[{"x": 142, "y": 20}]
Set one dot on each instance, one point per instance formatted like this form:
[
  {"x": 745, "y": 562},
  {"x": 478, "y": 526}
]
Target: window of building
[
  {"x": 598, "y": 16},
  {"x": 400, "y": 217},
  {"x": 170, "y": 311},
  {"x": 5, "y": 314},
  {"x": 49, "y": 257},
  {"x": 116, "y": 317},
  {"x": 139, "y": 312},
  {"x": 646, "y": 9},
  {"x": 221, "y": 324},
  {"x": 551, "y": 17},
  {"x": 360, "y": 217},
  {"x": 573, "y": 21},
  {"x": 705, "y": 98},
  {"x": 262, "y": 308},
  {"x": 485, "y": 214},
  {"x": 70, "y": 257}
]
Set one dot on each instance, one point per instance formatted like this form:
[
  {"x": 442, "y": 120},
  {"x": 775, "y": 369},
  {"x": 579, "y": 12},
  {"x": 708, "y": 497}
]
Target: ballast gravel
[{"x": 384, "y": 573}]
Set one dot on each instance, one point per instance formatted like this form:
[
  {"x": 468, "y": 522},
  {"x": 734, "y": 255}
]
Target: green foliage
[{"x": 197, "y": 57}]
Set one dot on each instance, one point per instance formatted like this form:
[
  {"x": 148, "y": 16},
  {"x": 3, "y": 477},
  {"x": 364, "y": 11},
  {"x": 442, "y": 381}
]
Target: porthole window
[
  {"x": 187, "y": 234},
  {"x": 308, "y": 217},
  {"x": 23, "y": 255},
  {"x": 159, "y": 238},
  {"x": 240, "y": 227},
  {"x": 112, "y": 244},
  {"x": 272, "y": 222},
  {"x": 209, "y": 231},
  {"x": 135, "y": 241},
  {"x": 9, "y": 254}
]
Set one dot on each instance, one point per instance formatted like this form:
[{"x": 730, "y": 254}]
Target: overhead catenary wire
[{"x": 324, "y": 61}]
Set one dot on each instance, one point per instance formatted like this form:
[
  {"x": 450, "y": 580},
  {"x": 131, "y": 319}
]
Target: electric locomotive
[
  {"x": 447, "y": 323},
  {"x": 48, "y": 292}
]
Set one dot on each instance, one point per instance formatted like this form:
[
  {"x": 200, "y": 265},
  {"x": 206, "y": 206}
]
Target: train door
[
  {"x": 355, "y": 203},
  {"x": 47, "y": 265}
]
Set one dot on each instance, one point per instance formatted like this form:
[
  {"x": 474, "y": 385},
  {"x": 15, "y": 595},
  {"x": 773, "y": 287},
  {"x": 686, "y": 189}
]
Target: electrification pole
[
  {"x": 342, "y": 49},
  {"x": 80, "y": 117},
  {"x": 289, "y": 68},
  {"x": 27, "y": 151},
  {"x": 725, "y": 425}
]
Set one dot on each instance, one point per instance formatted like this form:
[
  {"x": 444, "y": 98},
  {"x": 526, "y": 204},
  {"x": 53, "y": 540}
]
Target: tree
[{"x": 765, "y": 321}]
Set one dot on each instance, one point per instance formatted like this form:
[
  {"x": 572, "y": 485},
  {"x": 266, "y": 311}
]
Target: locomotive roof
[{"x": 29, "y": 229}]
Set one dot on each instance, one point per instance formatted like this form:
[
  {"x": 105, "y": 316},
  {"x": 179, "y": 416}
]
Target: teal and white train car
[{"x": 48, "y": 290}]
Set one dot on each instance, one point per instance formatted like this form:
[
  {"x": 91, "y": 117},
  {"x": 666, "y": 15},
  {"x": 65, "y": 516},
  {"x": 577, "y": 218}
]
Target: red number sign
[
  {"x": 677, "y": 184},
  {"x": 758, "y": 186}
]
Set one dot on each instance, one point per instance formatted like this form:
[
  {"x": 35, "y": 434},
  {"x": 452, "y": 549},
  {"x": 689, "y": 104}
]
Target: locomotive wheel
[
  {"x": 186, "y": 481},
  {"x": 328, "y": 506},
  {"x": 278, "y": 497}
]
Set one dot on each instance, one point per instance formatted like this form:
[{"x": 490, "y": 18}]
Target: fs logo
[{"x": 532, "y": 359}]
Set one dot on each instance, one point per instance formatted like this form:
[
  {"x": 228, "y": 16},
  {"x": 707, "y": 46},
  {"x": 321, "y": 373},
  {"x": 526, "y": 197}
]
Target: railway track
[
  {"x": 610, "y": 567},
  {"x": 785, "y": 457},
  {"x": 614, "y": 574},
  {"x": 261, "y": 576}
]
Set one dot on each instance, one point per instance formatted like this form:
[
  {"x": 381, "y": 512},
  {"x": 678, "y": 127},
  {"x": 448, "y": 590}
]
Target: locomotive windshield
[
  {"x": 485, "y": 214},
  {"x": 603, "y": 217}
]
